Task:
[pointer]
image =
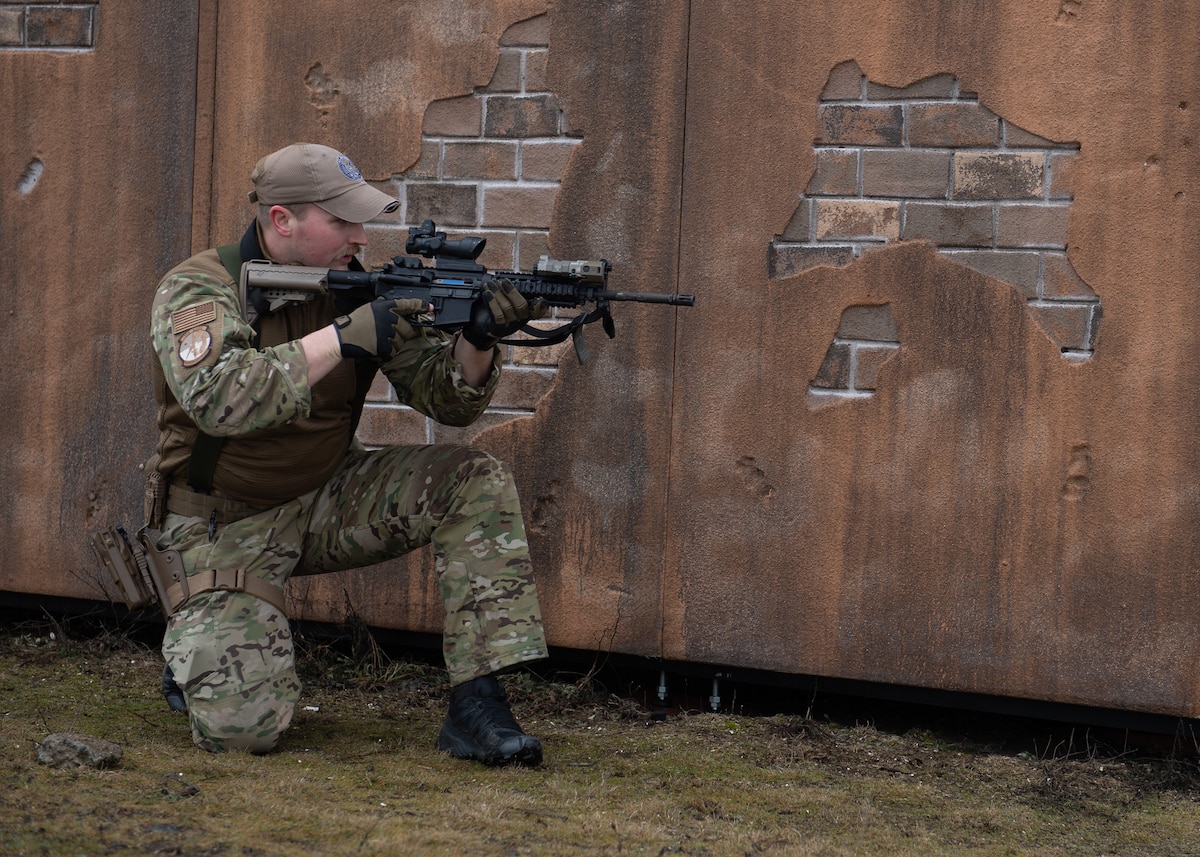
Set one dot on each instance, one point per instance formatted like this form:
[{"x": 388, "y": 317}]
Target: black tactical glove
[
  {"x": 500, "y": 312},
  {"x": 378, "y": 329}
]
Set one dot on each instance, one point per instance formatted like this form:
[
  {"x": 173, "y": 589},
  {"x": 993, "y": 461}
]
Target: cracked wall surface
[
  {"x": 1001, "y": 502},
  {"x": 491, "y": 165},
  {"x": 95, "y": 184},
  {"x": 929, "y": 162}
]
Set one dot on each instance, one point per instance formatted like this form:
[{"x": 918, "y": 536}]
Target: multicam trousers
[{"x": 232, "y": 653}]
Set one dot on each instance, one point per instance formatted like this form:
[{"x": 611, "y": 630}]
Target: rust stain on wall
[{"x": 991, "y": 518}]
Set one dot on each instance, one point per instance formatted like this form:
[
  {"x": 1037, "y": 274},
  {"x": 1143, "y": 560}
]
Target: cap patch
[
  {"x": 348, "y": 169},
  {"x": 185, "y": 319}
]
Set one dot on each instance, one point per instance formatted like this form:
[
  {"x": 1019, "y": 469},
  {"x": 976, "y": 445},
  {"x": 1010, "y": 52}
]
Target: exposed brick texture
[
  {"x": 845, "y": 83},
  {"x": 861, "y": 125},
  {"x": 529, "y": 246},
  {"x": 488, "y": 159},
  {"x": 940, "y": 86},
  {"x": 952, "y": 125},
  {"x": 454, "y": 117},
  {"x": 518, "y": 206},
  {"x": 868, "y": 360},
  {"x": 545, "y": 161},
  {"x": 48, "y": 26},
  {"x": 858, "y": 219},
  {"x": 443, "y": 202},
  {"x": 866, "y": 339},
  {"x": 949, "y": 223},
  {"x": 834, "y": 373},
  {"x": 507, "y": 77},
  {"x": 1031, "y": 226},
  {"x": 491, "y": 164},
  {"x": 787, "y": 260},
  {"x": 928, "y": 162},
  {"x": 836, "y": 173},
  {"x": 521, "y": 116},
  {"x": 1021, "y": 270},
  {"x": 12, "y": 26},
  {"x": 535, "y": 70},
  {"x": 999, "y": 175},
  {"x": 905, "y": 173}
]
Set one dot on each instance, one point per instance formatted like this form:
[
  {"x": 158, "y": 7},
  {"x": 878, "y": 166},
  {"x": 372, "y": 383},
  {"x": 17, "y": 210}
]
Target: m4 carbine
[{"x": 454, "y": 282}]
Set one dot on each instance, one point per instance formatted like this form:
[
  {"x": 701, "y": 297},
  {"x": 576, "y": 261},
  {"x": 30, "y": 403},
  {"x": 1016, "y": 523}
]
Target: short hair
[{"x": 300, "y": 209}]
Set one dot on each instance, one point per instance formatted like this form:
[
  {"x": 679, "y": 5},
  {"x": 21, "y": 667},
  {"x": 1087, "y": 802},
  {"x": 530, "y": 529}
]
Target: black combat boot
[
  {"x": 171, "y": 691},
  {"x": 480, "y": 725}
]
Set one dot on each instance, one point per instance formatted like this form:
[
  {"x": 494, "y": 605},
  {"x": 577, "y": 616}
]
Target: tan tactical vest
[{"x": 269, "y": 467}]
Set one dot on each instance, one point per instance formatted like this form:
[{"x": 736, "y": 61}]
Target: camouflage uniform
[{"x": 317, "y": 502}]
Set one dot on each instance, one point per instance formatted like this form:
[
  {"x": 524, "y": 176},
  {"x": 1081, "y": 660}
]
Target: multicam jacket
[{"x": 215, "y": 373}]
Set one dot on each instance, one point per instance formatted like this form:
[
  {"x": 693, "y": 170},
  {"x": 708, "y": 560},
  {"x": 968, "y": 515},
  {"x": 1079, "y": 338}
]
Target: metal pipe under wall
[{"x": 714, "y": 700}]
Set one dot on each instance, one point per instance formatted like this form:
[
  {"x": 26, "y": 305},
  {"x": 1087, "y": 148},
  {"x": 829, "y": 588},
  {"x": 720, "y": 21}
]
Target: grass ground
[{"x": 358, "y": 775}]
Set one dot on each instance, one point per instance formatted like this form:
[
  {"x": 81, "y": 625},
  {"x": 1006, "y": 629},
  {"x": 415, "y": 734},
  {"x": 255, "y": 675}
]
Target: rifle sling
[{"x": 572, "y": 329}]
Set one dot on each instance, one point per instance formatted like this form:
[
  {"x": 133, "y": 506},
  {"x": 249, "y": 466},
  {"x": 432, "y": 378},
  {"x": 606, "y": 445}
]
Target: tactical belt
[
  {"x": 214, "y": 579},
  {"x": 181, "y": 500}
]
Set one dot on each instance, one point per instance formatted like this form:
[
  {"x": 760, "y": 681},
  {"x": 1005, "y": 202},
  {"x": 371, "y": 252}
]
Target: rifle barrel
[{"x": 649, "y": 298}]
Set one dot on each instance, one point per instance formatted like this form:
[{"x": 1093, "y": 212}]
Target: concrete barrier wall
[{"x": 929, "y": 423}]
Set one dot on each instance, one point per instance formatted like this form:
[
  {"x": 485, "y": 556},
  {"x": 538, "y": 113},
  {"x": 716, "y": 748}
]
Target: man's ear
[{"x": 282, "y": 220}]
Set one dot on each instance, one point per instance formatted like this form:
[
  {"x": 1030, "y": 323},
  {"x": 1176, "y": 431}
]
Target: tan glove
[{"x": 378, "y": 329}]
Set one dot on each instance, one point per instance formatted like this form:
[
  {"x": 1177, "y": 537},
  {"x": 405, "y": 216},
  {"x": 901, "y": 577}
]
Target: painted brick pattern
[
  {"x": 865, "y": 340},
  {"x": 928, "y": 162},
  {"x": 47, "y": 26},
  {"x": 491, "y": 164}
]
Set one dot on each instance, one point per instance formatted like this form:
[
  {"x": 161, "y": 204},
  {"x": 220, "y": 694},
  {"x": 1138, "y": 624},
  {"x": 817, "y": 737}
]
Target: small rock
[{"x": 73, "y": 750}]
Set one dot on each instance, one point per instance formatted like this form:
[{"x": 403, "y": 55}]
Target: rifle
[{"x": 454, "y": 282}]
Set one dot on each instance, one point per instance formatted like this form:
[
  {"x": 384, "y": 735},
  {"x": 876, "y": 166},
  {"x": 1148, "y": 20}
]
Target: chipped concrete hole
[
  {"x": 866, "y": 339},
  {"x": 31, "y": 176},
  {"x": 928, "y": 162}
]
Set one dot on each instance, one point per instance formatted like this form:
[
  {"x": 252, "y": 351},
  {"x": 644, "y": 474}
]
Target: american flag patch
[{"x": 185, "y": 319}]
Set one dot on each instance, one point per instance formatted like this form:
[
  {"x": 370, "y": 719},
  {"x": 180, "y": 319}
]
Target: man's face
[{"x": 318, "y": 239}]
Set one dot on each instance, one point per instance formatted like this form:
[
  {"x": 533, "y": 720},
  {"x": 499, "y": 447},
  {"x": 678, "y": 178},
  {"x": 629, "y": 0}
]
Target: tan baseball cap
[{"x": 309, "y": 172}]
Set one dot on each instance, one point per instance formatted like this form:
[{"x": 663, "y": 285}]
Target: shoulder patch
[
  {"x": 185, "y": 319},
  {"x": 195, "y": 345}
]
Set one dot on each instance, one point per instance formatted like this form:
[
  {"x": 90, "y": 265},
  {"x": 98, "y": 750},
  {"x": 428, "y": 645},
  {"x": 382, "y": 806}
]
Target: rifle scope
[{"x": 424, "y": 241}]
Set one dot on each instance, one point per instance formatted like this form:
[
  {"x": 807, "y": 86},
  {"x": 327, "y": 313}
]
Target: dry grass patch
[{"x": 358, "y": 775}]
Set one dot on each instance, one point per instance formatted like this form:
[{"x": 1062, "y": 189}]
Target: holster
[
  {"x": 166, "y": 573},
  {"x": 126, "y": 563},
  {"x": 146, "y": 575}
]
